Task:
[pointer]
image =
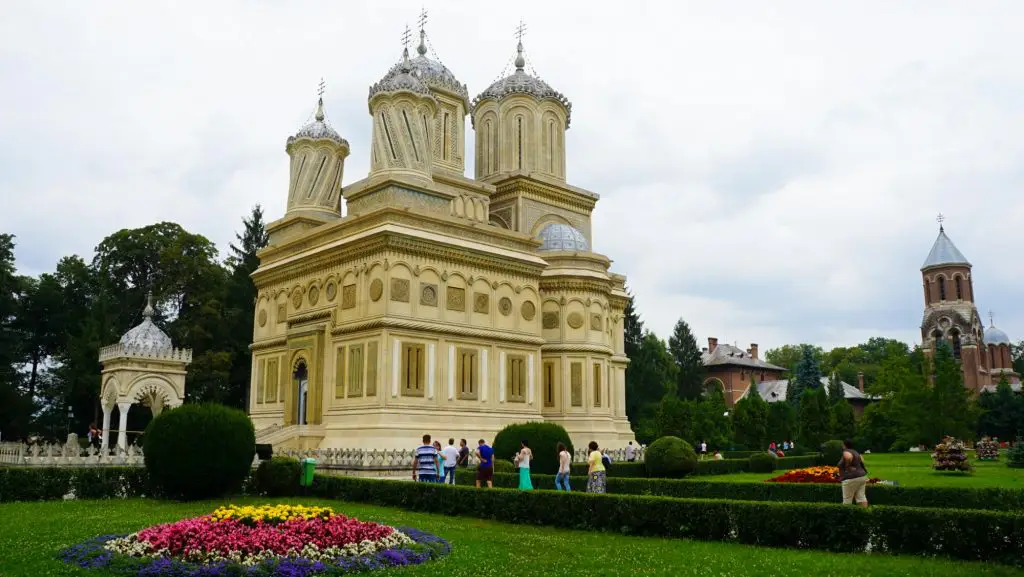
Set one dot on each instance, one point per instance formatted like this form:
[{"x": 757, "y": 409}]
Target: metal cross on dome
[
  {"x": 940, "y": 219},
  {"x": 423, "y": 18},
  {"x": 406, "y": 36},
  {"x": 520, "y": 31},
  {"x": 320, "y": 90}
]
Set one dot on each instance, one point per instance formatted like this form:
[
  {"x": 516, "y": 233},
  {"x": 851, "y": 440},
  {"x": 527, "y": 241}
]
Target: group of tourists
[
  {"x": 778, "y": 450},
  {"x": 434, "y": 464}
]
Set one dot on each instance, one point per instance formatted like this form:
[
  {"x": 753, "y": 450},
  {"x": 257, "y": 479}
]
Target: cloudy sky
[{"x": 770, "y": 172}]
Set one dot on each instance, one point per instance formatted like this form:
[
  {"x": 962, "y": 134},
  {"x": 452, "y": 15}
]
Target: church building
[
  {"x": 951, "y": 313},
  {"x": 436, "y": 302}
]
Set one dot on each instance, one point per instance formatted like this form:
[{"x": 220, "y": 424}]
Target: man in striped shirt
[{"x": 424, "y": 464}]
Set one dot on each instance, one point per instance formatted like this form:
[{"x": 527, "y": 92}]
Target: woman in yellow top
[{"x": 596, "y": 473}]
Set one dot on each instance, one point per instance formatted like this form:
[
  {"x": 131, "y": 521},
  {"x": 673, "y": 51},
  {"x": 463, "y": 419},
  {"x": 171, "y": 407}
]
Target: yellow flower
[{"x": 270, "y": 513}]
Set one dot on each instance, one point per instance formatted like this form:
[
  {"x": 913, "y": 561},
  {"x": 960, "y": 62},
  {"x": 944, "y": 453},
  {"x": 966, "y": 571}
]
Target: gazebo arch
[{"x": 144, "y": 368}]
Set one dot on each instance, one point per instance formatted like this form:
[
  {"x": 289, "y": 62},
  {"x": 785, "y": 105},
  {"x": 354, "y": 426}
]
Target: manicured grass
[
  {"x": 915, "y": 470},
  {"x": 31, "y": 534}
]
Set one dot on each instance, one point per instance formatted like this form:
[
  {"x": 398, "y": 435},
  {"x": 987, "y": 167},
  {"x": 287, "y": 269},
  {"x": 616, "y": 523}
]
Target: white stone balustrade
[{"x": 170, "y": 354}]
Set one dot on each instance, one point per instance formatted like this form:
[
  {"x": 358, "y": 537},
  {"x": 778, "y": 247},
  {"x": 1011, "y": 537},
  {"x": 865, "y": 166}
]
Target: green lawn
[
  {"x": 915, "y": 470},
  {"x": 31, "y": 534}
]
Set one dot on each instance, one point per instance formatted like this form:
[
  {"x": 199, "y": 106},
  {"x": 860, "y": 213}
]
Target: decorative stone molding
[
  {"x": 574, "y": 320},
  {"x": 428, "y": 295},
  {"x": 400, "y": 290},
  {"x": 505, "y": 306},
  {"x": 456, "y": 299},
  {"x": 481, "y": 303},
  {"x": 434, "y": 327},
  {"x": 550, "y": 320},
  {"x": 348, "y": 296},
  {"x": 376, "y": 289},
  {"x": 528, "y": 310}
]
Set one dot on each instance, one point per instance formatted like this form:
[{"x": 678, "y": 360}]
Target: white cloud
[{"x": 768, "y": 172}]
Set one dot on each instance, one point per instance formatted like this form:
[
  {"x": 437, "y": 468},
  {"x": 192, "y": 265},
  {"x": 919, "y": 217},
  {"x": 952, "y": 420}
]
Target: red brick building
[
  {"x": 731, "y": 369},
  {"x": 950, "y": 313}
]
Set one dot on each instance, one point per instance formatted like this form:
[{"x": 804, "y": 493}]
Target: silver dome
[
  {"x": 434, "y": 74},
  {"x": 400, "y": 78},
  {"x": 944, "y": 253},
  {"x": 994, "y": 336},
  {"x": 558, "y": 236},
  {"x": 147, "y": 336},
  {"x": 519, "y": 82},
  {"x": 319, "y": 129}
]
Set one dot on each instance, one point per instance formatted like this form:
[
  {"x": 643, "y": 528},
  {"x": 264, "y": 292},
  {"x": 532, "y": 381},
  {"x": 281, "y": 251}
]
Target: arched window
[
  {"x": 992, "y": 357},
  {"x": 519, "y": 140},
  {"x": 942, "y": 287},
  {"x": 959, "y": 289},
  {"x": 956, "y": 345},
  {"x": 301, "y": 385}
]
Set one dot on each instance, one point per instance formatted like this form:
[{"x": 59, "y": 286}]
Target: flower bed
[
  {"x": 824, "y": 474},
  {"x": 987, "y": 449},
  {"x": 950, "y": 455},
  {"x": 259, "y": 541}
]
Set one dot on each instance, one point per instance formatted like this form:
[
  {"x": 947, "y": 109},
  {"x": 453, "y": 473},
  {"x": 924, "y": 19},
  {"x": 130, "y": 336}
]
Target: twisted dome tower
[
  {"x": 520, "y": 123},
  {"x": 317, "y": 155}
]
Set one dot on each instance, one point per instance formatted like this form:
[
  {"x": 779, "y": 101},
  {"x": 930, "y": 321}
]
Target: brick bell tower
[{"x": 949, "y": 309}]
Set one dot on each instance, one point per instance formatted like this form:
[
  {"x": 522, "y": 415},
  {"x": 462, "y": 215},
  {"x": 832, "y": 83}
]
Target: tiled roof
[
  {"x": 730, "y": 355},
  {"x": 773, "y": 391}
]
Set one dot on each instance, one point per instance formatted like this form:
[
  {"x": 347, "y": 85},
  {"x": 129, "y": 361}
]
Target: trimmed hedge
[
  {"x": 543, "y": 439},
  {"x": 199, "y": 451},
  {"x": 278, "y": 477},
  {"x": 53, "y": 483},
  {"x": 761, "y": 463},
  {"x": 832, "y": 452},
  {"x": 670, "y": 457},
  {"x": 921, "y": 497},
  {"x": 971, "y": 535},
  {"x": 706, "y": 467}
]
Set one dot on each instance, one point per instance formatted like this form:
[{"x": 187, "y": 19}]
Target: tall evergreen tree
[
  {"x": 835, "y": 389},
  {"x": 782, "y": 422},
  {"x": 653, "y": 376},
  {"x": 10, "y": 292},
  {"x": 687, "y": 357},
  {"x": 1001, "y": 412},
  {"x": 952, "y": 412},
  {"x": 843, "y": 423},
  {"x": 750, "y": 420},
  {"x": 241, "y": 304},
  {"x": 633, "y": 328},
  {"x": 806, "y": 375},
  {"x": 815, "y": 419},
  {"x": 712, "y": 423}
]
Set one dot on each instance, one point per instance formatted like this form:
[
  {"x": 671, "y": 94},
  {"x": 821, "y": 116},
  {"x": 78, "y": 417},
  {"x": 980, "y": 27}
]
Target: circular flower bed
[
  {"x": 812, "y": 475},
  {"x": 263, "y": 541}
]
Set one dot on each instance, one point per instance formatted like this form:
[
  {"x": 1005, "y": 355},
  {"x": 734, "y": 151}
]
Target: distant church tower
[{"x": 949, "y": 309}]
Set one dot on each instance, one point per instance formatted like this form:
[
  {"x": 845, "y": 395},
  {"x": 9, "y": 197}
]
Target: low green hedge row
[
  {"x": 53, "y": 483},
  {"x": 938, "y": 497},
  {"x": 705, "y": 467},
  {"x": 962, "y": 534}
]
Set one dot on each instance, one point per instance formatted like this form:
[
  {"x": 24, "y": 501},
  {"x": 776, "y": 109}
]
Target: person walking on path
[
  {"x": 854, "y": 475},
  {"x": 485, "y": 470},
  {"x": 703, "y": 450},
  {"x": 562, "y": 478},
  {"x": 596, "y": 472},
  {"x": 439, "y": 463},
  {"x": 523, "y": 461},
  {"x": 451, "y": 458},
  {"x": 424, "y": 463}
]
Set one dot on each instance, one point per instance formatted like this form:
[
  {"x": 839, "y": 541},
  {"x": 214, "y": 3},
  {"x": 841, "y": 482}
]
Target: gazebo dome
[
  {"x": 146, "y": 336},
  {"x": 994, "y": 336},
  {"x": 558, "y": 236}
]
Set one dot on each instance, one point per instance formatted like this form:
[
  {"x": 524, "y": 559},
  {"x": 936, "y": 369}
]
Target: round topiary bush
[
  {"x": 199, "y": 451},
  {"x": 1015, "y": 456},
  {"x": 505, "y": 466},
  {"x": 670, "y": 457},
  {"x": 543, "y": 439},
  {"x": 278, "y": 477},
  {"x": 832, "y": 452},
  {"x": 761, "y": 463}
]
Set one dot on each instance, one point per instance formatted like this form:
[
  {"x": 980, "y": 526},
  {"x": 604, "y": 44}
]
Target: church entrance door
[{"x": 302, "y": 392}]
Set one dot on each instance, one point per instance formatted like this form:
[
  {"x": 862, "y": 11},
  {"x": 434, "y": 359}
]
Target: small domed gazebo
[{"x": 144, "y": 367}]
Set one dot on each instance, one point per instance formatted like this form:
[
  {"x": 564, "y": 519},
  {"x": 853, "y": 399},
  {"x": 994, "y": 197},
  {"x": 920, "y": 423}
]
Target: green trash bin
[{"x": 308, "y": 469}]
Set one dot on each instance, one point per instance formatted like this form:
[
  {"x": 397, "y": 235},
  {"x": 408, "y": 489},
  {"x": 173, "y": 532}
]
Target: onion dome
[
  {"x": 994, "y": 336},
  {"x": 400, "y": 79},
  {"x": 558, "y": 236},
  {"x": 519, "y": 82},
  {"x": 319, "y": 129},
  {"x": 146, "y": 336},
  {"x": 432, "y": 73},
  {"x": 944, "y": 253}
]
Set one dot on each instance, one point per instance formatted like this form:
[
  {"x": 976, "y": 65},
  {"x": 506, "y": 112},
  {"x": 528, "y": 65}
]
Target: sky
[{"x": 769, "y": 172}]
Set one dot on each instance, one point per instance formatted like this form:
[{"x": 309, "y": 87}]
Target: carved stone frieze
[
  {"x": 481, "y": 303},
  {"x": 595, "y": 322},
  {"x": 348, "y": 296},
  {"x": 376, "y": 289},
  {"x": 297, "y": 297},
  {"x": 331, "y": 291},
  {"x": 528, "y": 310},
  {"x": 574, "y": 320},
  {"x": 400, "y": 290},
  {"x": 550, "y": 320},
  {"x": 428, "y": 295},
  {"x": 281, "y": 313},
  {"x": 456, "y": 299},
  {"x": 262, "y": 318},
  {"x": 505, "y": 306},
  {"x": 314, "y": 295}
]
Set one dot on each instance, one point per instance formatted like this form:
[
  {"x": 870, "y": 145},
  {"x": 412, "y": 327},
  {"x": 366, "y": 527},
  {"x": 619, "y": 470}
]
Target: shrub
[
  {"x": 278, "y": 477},
  {"x": 822, "y": 526},
  {"x": 832, "y": 452},
  {"x": 761, "y": 463},
  {"x": 670, "y": 457},
  {"x": 199, "y": 451},
  {"x": 504, "y": 466},
  {"x": 1015, "y": 457},
  {"x": 53, "y": 483},
  {"x": 543, "y": 439},
  {"x": 987, "y": 450}
]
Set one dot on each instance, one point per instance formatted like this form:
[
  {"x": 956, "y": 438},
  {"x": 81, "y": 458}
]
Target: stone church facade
[
  {"x": 951, "y": 314},
  {"x": 437, "y": 303}
]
